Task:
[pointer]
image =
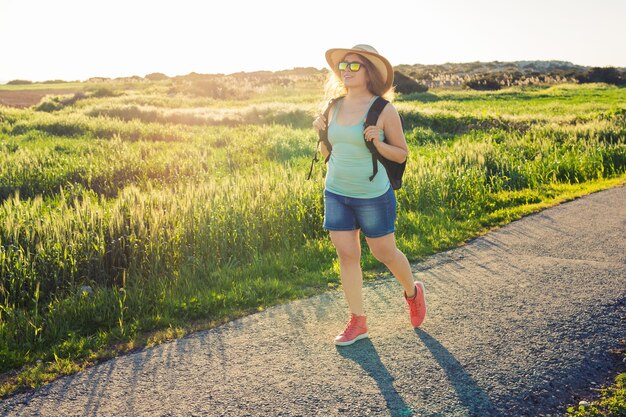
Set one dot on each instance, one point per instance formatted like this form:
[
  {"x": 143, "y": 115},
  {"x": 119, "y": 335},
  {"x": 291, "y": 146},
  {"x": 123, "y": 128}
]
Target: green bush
[
  {"x": 55, "y": 103},
  {"x": 483, "y": 83},
  {"x": 19, "y": 82},
  {"x": 104, "y": 92},
  {"x": 49, "y": 105},
  {"x": 407, "y": 85},
  {"x": 609, "y": 75}
]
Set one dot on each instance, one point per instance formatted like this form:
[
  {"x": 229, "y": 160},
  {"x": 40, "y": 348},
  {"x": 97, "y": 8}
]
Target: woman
[{"x": 351, "y": 201}]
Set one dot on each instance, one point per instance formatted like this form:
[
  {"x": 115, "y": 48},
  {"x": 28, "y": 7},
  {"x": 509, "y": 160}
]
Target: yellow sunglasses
[{"x": 354, "y": 66}]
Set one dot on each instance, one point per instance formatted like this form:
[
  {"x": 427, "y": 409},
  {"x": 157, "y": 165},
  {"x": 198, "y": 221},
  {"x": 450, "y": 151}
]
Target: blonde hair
[{"x": 334, "y": 88}]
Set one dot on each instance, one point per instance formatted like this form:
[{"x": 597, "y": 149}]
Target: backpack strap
[
  {"x": 372, "y": 118},
  {"x": 323, "y": 134},
  {"x": 323, "y": 137}
]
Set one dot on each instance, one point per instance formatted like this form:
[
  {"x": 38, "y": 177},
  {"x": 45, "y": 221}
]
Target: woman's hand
[
  {"x": 320, "y": 123},
  {"x": 372, "y": 134}
]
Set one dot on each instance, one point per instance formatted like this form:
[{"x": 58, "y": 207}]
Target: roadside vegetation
[
  {"x": 133, "y": 212},
  {"x": 610, "y": 401}
]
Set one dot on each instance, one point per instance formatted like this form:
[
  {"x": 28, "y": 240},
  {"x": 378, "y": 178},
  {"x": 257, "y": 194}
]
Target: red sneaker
[
  {"x": 417, "y": 305},
  {"x": 355, "y": 330}
]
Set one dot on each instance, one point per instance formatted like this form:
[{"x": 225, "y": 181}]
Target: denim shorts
[{"x": 376, "y": 217}]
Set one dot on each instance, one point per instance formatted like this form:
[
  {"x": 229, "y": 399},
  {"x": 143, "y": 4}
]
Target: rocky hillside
[{"x": 508, "y": 73}]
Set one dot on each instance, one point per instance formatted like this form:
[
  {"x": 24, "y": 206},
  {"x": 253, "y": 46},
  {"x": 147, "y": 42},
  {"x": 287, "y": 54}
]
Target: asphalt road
[{"x": 520, "y": 322}]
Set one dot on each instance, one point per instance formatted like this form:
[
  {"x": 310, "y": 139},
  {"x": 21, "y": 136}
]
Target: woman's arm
[{"x": 389, "y": 122}]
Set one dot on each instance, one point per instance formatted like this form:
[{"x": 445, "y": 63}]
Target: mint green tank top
[{"x": 350, "y": 163}]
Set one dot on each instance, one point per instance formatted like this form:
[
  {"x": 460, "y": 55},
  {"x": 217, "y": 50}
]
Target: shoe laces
[
  {"x": 351, "y": 327},
  {"x": 413, "y": 304}
]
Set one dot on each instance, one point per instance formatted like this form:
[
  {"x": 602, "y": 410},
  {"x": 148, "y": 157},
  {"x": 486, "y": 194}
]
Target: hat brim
[{"x": 336, "y": 55}]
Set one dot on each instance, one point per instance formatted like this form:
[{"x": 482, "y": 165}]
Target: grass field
[{"x": 134, "y": 213}]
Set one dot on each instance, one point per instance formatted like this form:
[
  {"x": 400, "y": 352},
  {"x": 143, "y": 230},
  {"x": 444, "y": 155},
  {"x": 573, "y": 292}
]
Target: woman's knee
[
  {"x": 348, "y": 254},
  {"x": 347, "y": 246},
  {"x": 386, "y": 256}
]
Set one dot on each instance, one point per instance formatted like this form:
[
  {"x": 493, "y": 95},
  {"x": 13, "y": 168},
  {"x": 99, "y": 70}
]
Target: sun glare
[{"x": 71, "y": 39}]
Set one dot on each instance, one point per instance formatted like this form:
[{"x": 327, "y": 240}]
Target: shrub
[
  {"x": 104, "y": 92},
  {"x": 50, "y": 104},
  {"x": 157, "y": 76},
  {"x": 19, "y": 82},
  {"x": 609, "y": 75},
  {"x": 407, "y": 85},
  {"x": 483, "y": 83}
]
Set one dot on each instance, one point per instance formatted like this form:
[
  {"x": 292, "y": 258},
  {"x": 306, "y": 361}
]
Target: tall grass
[{"x": 170, "y": 222}]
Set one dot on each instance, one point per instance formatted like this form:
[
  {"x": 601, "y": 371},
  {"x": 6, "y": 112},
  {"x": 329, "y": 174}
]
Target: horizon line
[{"x": 5, "y": 81}]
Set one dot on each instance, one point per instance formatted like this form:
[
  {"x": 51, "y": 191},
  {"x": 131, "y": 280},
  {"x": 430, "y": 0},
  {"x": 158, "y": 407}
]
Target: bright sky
[{"x": 77, "y": 39}]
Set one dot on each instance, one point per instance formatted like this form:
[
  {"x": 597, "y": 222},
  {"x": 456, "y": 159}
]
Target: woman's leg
[
  {"x": 384, "y": 249},
  {"x": 348, "y": 248}
]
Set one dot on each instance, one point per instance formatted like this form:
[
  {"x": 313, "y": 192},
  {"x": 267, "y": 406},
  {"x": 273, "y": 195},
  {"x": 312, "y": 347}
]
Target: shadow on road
[
  {"x": 471, "y": 396},
  {"x": 366, "y": 356}
]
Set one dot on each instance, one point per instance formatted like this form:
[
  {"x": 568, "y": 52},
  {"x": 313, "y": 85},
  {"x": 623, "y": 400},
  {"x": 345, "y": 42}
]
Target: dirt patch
[{"x": 27, "y": 98}]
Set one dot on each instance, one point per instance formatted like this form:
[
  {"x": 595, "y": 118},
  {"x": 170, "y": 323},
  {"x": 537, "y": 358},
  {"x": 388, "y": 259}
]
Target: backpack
[{"x": 394, "y": 169}]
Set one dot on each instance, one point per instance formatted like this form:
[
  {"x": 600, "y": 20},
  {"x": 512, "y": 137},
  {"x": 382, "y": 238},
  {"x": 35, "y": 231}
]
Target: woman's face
[{"x": 354, "y": 79}]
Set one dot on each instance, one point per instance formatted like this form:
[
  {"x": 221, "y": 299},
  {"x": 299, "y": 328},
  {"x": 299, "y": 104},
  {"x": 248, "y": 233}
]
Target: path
[{"x": 520, "y": 321}]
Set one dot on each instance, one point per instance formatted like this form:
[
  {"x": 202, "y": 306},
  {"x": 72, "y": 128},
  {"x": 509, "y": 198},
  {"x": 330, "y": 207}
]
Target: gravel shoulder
[{"x": 519, "y": 322}]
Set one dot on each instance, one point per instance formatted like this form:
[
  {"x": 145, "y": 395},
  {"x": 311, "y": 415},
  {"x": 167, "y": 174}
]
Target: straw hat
[{"x": 336, "y": 55}]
